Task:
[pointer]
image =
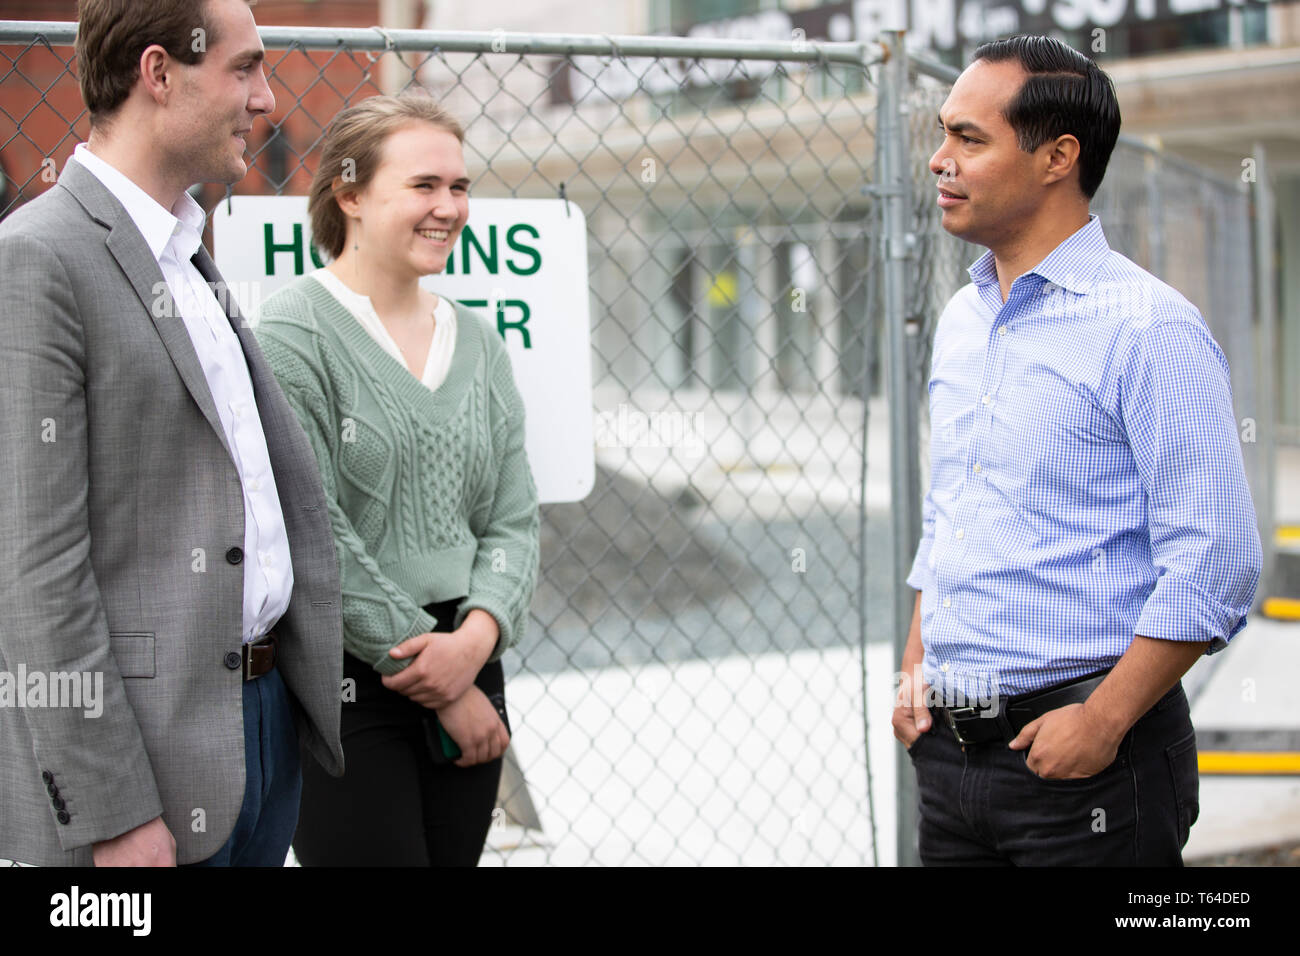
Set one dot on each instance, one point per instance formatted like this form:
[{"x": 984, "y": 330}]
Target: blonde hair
[{"x": 351, "y": 151}]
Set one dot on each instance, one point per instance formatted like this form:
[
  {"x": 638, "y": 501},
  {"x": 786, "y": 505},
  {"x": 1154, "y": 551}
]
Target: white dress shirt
[
  {"x": 173, "y": 238},
  {"x": 441, "y": 348}
]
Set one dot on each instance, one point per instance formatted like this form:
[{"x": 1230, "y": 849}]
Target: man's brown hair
[{"x": 112, "y": 34}]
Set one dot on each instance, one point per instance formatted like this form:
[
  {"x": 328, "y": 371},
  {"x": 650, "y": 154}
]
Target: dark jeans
[
  {"x": 982, "y": 806},
  {"x": 394, "y": 806},
  {"x": 271, "y": 779}
]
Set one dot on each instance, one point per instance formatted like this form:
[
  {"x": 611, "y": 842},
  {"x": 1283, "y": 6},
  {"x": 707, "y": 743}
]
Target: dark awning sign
[
  {"x": 942, "y": 25},
  {"x": 950, "y": 24}
]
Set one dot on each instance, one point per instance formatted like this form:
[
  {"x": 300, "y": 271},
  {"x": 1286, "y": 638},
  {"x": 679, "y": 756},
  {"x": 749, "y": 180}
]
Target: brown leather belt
[{"x": 259, "y": 656}]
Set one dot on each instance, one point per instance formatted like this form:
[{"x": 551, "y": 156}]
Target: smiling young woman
[{"x": 410, "y": 405}]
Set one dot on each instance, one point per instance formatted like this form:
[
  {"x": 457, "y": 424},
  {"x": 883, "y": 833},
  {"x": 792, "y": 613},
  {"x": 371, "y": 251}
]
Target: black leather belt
[
  {"x": 982, "y": 724},
  {"x": 259, "y": 656}
]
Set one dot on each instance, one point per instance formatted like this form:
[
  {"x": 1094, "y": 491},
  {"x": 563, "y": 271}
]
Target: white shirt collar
[
  {"x": 156, "y": 224},
  {"x": 356, "y": 302}
]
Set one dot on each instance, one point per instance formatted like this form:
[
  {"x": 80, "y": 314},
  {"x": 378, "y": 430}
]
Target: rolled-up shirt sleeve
[{"x": 1176, "y": 403}]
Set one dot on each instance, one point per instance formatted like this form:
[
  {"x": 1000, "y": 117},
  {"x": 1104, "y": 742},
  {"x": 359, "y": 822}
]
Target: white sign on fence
[{"x": 521, "y": 261}]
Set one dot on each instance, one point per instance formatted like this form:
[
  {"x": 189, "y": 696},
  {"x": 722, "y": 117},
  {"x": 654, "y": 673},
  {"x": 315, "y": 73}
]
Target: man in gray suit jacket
[{"x": 169, "y": 593}]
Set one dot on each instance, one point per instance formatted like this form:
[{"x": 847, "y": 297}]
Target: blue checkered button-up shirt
[{"x": 1086, "y": 476}]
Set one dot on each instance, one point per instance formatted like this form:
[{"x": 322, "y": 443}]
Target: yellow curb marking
[
  {"x": 1282, "y": 609},
  {"x": 1249, "y": 762}
]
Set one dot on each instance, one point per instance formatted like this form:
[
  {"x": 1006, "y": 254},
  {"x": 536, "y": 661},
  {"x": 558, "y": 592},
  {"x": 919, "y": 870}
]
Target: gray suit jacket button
[
  {"x": 58, "y": 803},
  {"x": 47, "y": 776},
  {"x": 235, "y": 555},
  {"x": 52, "y": 790},
  {"x": 233, "y": 661},
  {"x": 63, "y": 816}
]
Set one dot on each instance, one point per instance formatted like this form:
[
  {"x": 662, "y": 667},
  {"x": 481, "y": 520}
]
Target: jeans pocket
[
  {"x": 1187, "y": 783},
  {"x": 919, "y": 742},
  {"x": 1102, "y": 776}
]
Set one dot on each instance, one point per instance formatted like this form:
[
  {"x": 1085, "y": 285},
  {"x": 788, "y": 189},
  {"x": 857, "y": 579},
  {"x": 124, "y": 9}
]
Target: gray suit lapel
[
  {"x": 132, "y": 253},
  {"x": 208, "y": 269}
]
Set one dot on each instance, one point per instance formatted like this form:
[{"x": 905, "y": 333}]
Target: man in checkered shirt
[{"x": 1088, "y": 531}]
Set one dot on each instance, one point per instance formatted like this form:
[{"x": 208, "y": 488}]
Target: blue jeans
[
  {"x": 982, "y": 806},
  {"x": 272, "y": 779}
]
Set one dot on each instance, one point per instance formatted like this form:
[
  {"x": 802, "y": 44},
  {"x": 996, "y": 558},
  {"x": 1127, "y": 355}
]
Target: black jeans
[
  {"x": 394, "y": 806},
  {"x": 982, "y": 806}
]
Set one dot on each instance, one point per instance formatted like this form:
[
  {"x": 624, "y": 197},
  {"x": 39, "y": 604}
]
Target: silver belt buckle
[{"x": 962, "y": 712}]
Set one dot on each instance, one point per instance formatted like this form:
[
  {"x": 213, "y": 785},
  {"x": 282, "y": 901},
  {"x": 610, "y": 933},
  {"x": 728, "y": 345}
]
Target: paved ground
[
  {"x": 1251, "y": 691},
  {"x": 1282, "y": 854}
]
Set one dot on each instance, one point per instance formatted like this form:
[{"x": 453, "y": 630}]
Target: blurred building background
[
  {"x": 1214, "y": 81},
  {"x": 764, "y": 178}
]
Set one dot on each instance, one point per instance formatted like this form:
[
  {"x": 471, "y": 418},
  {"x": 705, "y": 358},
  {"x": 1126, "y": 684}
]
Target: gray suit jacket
[{"x": 121, "y": 529}]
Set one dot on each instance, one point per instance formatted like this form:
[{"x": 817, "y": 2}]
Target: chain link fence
[{"x": 692, "y": 687}]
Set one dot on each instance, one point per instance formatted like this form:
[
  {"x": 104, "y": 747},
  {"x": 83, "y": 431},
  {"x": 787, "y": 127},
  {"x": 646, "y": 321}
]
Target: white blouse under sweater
[{"x": 441, "y": 348}]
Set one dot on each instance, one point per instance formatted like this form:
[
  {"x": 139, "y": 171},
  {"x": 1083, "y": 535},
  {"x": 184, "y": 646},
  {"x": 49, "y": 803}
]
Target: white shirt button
[
  {"x": 943, "y": 667},
  {"x": 988, "y": 399},
  {"x": 961, "y": 533},
  {"x": 947, "y": 602},
  {"x": 1002, "y": 331},
  {"x": 978, "y": 467},
  {"x": 1048, "y": 288}
]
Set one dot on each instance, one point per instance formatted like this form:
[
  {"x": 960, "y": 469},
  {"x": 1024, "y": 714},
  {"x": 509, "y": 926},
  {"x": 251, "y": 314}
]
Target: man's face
[
  {"x": 219, "y": 97},
  {"x": 989, "y": 188}
]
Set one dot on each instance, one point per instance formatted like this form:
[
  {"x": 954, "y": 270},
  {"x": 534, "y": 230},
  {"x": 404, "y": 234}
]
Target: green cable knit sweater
[{"x": 430, "y": 494}]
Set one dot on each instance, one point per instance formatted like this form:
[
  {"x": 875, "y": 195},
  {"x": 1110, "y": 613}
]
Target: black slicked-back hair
[{"x": 1065, "y": 92}]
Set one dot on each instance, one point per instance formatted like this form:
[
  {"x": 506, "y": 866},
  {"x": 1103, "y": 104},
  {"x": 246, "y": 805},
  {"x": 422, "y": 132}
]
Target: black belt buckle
[{"x": 952, "y": 714}]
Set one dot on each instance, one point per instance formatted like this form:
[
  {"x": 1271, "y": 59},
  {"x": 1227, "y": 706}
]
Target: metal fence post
[
  {"x": 1266, "y": 410},
  {"x": 1156, "y": 216},
  {"x": 896, "y": 243}
]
